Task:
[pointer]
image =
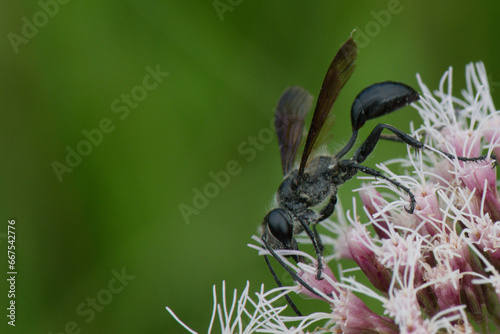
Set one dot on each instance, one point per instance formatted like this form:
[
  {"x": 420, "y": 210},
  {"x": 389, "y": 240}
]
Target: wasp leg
[
  {"x": 320, "y": 256},
  {"x": 317, "y": 245},
  {"x": 326, "y": 212},
  {"x": 278, "y": 282},
  {"x": 369, "y": 144},
  {"x": 402, "y": 137},
  {"x": 391, "y": 137},
  {"x": 329, "y": 208},
  {"x": 376, "y": 173}
]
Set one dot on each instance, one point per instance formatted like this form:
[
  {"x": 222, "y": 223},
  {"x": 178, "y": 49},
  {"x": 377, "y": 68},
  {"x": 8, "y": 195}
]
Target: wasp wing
[
  {"x": 338, "y": 74},
  {"x": 292, "y": 109}
]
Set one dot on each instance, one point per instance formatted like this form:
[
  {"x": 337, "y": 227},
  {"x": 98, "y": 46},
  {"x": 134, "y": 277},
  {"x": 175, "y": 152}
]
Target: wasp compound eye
[{"x": 279, "y": 226}]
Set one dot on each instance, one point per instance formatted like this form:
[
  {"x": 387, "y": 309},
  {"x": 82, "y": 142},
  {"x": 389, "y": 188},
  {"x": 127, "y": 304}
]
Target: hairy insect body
[
  {"x": 321, "y": 179},
  {"x": 296, "y": 197},
  {"x": 297, "y": 194}
]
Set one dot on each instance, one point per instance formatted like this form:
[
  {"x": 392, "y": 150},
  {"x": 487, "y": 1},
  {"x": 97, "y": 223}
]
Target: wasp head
[{"x": 278, "y": 229}]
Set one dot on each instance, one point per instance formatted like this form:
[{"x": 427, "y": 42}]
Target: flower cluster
[{"x": 434, "y": 271}]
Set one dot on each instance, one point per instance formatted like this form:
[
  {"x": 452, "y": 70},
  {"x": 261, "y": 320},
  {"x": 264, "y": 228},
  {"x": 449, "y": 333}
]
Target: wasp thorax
[{"x": 312, "y": 189}]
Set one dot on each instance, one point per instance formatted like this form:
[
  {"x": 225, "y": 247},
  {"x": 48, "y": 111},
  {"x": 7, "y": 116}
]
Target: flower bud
[{"x": 367, "y": 260}]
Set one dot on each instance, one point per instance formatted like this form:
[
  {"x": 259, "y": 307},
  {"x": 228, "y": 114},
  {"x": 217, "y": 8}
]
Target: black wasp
[{"x": 317, "y": 179}]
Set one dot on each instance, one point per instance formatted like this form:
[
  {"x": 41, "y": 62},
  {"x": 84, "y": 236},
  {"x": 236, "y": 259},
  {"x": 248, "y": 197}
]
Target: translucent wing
[
  {"x": 338, "y": 74},
  {"x": 292, "y": 109}
]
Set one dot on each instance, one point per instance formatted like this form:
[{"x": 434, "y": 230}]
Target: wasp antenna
[{"x": 278, "y": 282}]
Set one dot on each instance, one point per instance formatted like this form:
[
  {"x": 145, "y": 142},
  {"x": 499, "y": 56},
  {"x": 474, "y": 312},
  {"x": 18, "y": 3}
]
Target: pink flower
[
  {"x": 323, "y": 286},
  {"x": 480, "y": 177},
  {"x": 436, "y": 270},
  {"x": 363, "y": 252}
]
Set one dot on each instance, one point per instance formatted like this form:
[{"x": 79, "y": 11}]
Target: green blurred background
[{"x": 119, "y": 207}]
